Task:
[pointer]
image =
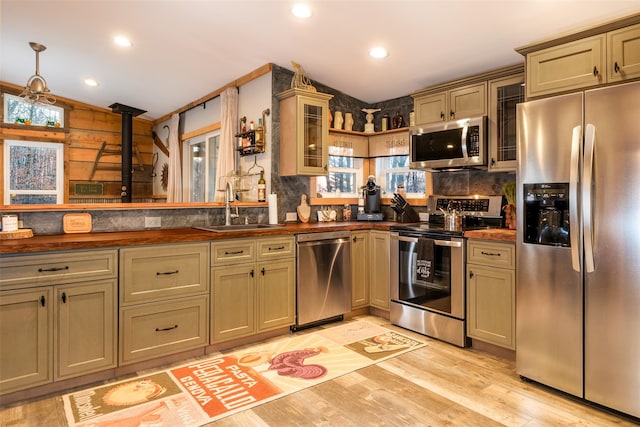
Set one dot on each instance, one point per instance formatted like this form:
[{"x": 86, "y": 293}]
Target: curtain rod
[{"x": 258, "y": 72}]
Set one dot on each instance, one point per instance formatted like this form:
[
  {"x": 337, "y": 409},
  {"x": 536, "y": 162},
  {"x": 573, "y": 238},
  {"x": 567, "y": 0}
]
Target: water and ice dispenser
[{"x": 546, "y": 214}]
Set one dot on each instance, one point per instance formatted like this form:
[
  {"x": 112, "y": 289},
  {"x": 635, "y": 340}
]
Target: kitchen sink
[{"x": 237, "y": 227}]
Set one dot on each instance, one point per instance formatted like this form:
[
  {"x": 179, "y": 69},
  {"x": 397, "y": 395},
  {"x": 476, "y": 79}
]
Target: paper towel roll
[{"x": 272, "y": 200}]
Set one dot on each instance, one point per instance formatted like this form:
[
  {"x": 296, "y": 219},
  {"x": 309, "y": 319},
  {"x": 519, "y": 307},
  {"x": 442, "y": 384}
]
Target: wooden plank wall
[{"x": 87, "y": 127}]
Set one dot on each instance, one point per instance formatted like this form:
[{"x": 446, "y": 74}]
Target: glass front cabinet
[
  {"x": 304, "y": 132},
  {"x": 504, "y": 94}
]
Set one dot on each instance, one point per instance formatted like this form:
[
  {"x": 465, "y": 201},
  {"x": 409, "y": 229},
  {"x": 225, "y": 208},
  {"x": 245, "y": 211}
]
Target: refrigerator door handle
[
  {"x": 574, "y": 225},
  {"x": 587, "y": 196}
]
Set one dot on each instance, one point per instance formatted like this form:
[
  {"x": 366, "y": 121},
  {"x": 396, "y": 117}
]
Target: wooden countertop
[
  {"x": 498, "y": 234},
  {"x": 62, "y": 242}
]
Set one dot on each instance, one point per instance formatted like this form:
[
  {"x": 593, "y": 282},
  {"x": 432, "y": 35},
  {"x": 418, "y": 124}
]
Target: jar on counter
[{"x": 346, "y": 213}]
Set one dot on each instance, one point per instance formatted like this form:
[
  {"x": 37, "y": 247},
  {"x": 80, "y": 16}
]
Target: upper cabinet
[
  {"x": 574, "y": 65},
  {"x": 606, "y": 54},
  {"x": 504, "y": 94},
  {"x": 304, "y": 132},
  {"x": 458, "y": 103},
  {"x": 623, "y": 53},
  {"x": 494, "y": 94}
]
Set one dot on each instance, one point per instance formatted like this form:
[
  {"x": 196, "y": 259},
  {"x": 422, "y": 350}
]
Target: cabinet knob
[
  {"x": 452, "y": 114},
  {"x": 252, "y": 273},
  {"x": 493, "y": 161},
  {"x": 262, "y": 271},
  {"x": 42, "y": 301},
  {"x": 616, "y": 68},
  {"x": 471, "y": 274},
  {"x": 441, "y": 115},
  {"x": 596, "y": 73},
  {"x": 64, "y": 297}
]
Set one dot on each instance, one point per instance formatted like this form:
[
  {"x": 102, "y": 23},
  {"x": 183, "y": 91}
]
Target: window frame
[
  {"x": 61, "y": 124},
  {"x": 60, "y": 171},
  {"x": 186, "y": 166}
]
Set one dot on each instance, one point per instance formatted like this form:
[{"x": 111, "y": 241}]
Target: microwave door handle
[
  {"x": 463, "y": 142},
  {"x": 574, "y": 181}
]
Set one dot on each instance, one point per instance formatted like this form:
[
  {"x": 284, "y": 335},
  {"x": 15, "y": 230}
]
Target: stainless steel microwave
[{"x": 453, "y": 144}]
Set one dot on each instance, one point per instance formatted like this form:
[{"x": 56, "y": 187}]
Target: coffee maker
[{"x": 372, "y": 195}]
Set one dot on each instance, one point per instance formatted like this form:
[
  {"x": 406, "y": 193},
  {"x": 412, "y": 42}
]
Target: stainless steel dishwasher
[{"x": 323, "y": 277}]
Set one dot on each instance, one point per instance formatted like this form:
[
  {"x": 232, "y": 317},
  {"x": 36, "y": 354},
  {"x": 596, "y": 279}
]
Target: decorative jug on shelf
[
  {"x": 348, "y": 121},
  {"x": 337, "y": 120}
]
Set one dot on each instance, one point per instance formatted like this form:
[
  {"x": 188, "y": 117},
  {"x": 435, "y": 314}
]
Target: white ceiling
[{"x": 184, "y": 49}]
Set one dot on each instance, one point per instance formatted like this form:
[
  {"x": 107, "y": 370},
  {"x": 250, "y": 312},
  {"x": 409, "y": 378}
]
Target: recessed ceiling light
[
  {"x": 378, "y": 52},
  {"x": 300, "y": 10},
  {"x": 91, "y": 82},
  {"x": 122, "y": 41}
]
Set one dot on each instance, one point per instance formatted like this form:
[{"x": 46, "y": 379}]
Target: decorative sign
[{"x": 89, "y": 189}]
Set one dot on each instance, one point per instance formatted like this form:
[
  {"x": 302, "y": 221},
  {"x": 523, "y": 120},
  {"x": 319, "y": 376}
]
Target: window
[
  {"x": 200, "y": 168},
  {"x": 33, "y": 172},
  {"x": 18, "y": 111},
  {"x": 345, "y": 177},
  {"x": 394, "y": 170}
]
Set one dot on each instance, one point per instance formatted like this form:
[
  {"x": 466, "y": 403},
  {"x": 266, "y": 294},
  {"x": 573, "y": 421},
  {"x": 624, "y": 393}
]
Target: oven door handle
[{"x": 449, "y": 243}]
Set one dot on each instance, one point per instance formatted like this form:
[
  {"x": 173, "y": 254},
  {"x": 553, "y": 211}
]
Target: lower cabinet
[
  {"x": 164, "y": 300},
  {"x": 360, "y": 269},
  {"x": 379, "y": 270},
  {"x": 162, "y": 328},
  {"x": 252, "y": 286},
  {"x": 60, "y": 331},
  {"x": 491, "y": 292},
  {"x": 56, "y": 333}
]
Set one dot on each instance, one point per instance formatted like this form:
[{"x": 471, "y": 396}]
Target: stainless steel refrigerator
[{"x": 578, "y": 245}]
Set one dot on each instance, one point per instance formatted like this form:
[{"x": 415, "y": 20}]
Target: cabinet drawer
[
  {"x": 159, "y": 329},
  {"x": 233, "y": 251},
  {"x": 151, "y": 273},
  {"x": 283, "y": 247},
  {"x": 491, "y": 254},
  {"x": 61, "y": 267}
]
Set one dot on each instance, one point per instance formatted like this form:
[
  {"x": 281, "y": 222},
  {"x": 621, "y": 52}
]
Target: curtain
[
  {"x": 174, "y": 187},
  {"x": 228, "y": 123}
]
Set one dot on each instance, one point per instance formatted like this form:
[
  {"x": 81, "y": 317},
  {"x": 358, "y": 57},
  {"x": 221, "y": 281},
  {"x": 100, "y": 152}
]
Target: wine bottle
[
  {"x": 262, "y": 188},
  {"x": 260, "y": 136}
]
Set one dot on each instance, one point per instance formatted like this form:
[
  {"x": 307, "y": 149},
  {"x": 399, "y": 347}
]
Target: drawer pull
[
  {"x": 279, "y": 248},
  {"x": 167, "y": 329},
  {"x": 490, "y": 253},
  {"x": 46, "y": 270},
  {"x": 233, "y": 252},
  {"x": 166, "y": 273}
]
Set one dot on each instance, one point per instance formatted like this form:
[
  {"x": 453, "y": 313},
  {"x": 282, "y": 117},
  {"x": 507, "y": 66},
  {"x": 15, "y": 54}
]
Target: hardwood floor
[{"x": 436, "y": 385}]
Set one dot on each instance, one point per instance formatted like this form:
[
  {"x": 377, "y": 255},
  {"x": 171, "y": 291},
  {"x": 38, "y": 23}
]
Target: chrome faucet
[{"x": 229, "y": 197}]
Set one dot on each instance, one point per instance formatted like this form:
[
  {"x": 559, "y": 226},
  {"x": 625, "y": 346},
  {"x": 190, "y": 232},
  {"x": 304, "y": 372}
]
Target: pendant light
[{"x": 36, "y": 90}]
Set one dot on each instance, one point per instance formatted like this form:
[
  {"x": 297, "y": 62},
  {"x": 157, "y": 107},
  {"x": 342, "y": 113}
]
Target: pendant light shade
[{"x": 36, "y": 90}]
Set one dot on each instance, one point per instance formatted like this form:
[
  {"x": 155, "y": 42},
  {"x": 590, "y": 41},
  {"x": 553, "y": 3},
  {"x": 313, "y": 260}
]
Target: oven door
[{"x": 444, "y": 291}]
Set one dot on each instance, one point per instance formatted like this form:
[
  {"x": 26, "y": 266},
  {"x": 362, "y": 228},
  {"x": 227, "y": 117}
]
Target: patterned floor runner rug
[{"x": 221, "y": 385}]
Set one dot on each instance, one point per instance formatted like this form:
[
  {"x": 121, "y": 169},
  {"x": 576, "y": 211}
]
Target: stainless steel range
[{"x": 428, "y": 285}]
